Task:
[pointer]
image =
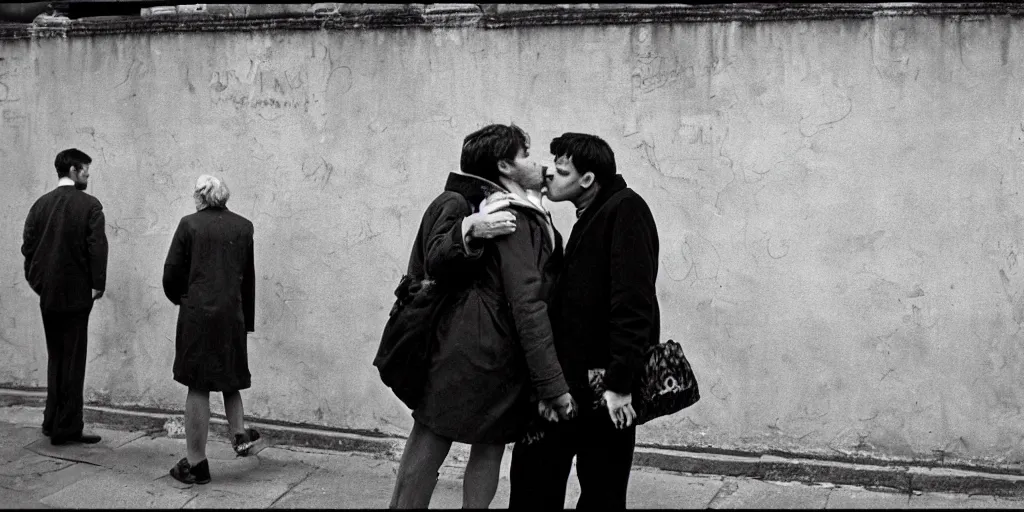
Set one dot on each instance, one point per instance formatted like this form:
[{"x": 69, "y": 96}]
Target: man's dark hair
[
  {"x": 70, "y": 158},
  {"x": 482, "y": 149},
  {"x": 589, "y": 153}
]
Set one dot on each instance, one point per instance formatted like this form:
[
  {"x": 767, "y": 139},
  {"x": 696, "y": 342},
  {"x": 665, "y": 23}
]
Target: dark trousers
[
  {"x": 604, "y": 457},
  {"x": 65, "y": 371}
]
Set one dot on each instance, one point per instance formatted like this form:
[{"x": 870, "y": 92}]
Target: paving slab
[
  {"x": 949, "y": 500},
  {"x": 652, "y": 489},
  {"x": 255, "y": 486},
  {"x": 339, "y": 481},
  {"x": 111, "y": 489},
  {"x": 859, "y": 498},
  {"x": 39, "y": 477},
  {"x": 14, "y": 440},
  {"x": 750, "y": 493},
  {"x": 99, "y": 454}
]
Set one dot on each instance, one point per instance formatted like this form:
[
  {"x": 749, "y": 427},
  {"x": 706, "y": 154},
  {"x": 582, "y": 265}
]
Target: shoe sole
[{"x": 242, "y": 450}]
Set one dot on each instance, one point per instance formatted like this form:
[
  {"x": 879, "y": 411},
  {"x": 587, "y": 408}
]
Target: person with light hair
[
  {"x": 210, "y": 192},
  {"x": 210, "y": 274}
]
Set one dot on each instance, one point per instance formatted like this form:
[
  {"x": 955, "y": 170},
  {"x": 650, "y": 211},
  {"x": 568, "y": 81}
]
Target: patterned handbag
[{"x": 666, "y": 387}]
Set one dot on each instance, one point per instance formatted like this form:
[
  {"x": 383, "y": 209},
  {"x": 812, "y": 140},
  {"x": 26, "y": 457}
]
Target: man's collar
[
  {"x": 65, "y": 182},
  {"x": 609, "y": 189}
]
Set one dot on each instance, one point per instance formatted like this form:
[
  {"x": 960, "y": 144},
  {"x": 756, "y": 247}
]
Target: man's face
[
  {"x": 524, "y": 171},
  {"x": 564, "y": 182},
  {"x": 80, "y": 177}
]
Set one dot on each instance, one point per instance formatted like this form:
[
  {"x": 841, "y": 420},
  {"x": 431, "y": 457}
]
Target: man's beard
[{"x": 81, "y": 186}]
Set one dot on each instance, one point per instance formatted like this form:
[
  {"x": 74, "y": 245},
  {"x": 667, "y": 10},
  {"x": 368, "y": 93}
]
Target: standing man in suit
[
  {"x": 604, "y": 315},
  {"x": 65, "y": 251}
]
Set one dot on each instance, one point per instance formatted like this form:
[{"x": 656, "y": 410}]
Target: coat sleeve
[
  {"x": 446, "y": 249},
  {"x": 30, "y": 241},
  {"x": 521, "y": 277},
  {"x": 249, "y": 288},
  {"x": 632, "y": 293},
  {"x": 96, "y": 240},
  {"x": 176, "y": 266}
]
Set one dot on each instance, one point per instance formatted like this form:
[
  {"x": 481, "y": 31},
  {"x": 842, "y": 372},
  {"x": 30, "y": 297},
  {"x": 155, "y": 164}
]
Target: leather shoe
[{"x": 80, "y": 438}]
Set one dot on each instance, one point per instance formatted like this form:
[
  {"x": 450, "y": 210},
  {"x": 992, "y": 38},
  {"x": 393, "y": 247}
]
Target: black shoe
[
  {"x": 244, "y": 442},
  {"x": 80, "y": 438},
  {"x": 46, "y": 432},
  {"x": 189, "y": 474}
]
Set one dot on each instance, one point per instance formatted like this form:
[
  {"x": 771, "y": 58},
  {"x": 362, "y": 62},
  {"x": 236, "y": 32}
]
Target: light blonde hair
[{"x": 210, "y": 192}]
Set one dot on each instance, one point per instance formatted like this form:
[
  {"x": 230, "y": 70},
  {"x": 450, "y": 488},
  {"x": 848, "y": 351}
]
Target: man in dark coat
[
  {"x": 605, "y": 316},
  {"x": 494, "y": 357},
  {"x": 210, "y": 274},
  {"x": 65, "y": 249}
]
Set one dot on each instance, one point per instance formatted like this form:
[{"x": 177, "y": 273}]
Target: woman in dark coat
[
  {"x": 210, "y": 274},
  {"x": 494, "y": 357}
]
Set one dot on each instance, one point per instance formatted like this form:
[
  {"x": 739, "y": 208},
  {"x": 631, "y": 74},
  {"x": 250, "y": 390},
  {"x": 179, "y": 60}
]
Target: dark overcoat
[
  {"x": 494, "y": 354},
  {"x": 605, "y": 310},
  {"x": 210, "y": 274}
]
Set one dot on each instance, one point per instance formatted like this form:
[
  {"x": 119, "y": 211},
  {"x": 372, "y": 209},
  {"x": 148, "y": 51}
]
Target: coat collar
[
  {"x": 616, "y": 185},
  {"x": 476, "y": 189}
]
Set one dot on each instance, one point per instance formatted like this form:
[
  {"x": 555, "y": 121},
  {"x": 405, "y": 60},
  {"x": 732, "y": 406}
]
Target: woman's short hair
[{"x": 210, "y": 192}]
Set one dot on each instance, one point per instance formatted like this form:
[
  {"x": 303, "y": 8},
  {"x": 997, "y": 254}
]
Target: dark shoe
[
  {"x": 46, "y": 432},
  {"x": 80, "y": 438},
  {"x": 244, "y": 442},
  {"x": 189, "y": 474}
]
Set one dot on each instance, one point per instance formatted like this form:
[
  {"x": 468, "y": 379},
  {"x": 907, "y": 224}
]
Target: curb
[{"x": 903, "y": 478}]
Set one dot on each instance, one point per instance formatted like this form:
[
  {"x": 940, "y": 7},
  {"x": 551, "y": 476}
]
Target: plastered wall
[{"x": 838, "y": 204}]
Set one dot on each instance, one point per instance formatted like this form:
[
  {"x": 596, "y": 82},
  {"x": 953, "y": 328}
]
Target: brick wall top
[{"x": 343, "y": 16}]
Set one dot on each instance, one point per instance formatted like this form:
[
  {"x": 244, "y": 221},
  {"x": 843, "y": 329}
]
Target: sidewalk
[{"x": 128, "y": 469}]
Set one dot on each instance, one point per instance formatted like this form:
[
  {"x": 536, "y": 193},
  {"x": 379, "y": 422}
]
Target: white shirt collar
[{"x": 65, "y": 181}]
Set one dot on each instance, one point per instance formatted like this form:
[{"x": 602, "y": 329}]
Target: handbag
[
  {"x": 667, "y": 385},
  {"x": 403, "y": 356}
]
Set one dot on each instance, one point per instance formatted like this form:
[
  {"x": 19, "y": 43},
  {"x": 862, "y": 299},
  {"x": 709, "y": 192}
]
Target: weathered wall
[{"x": 838, "y": 203}]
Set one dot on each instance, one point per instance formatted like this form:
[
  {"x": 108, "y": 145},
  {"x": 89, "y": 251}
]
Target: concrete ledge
[
  {"x": 902, "y": 477},
  {"x": 344, "y": 16}
]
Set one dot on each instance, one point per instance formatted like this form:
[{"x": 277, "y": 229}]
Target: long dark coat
[
  {"x": 210, "y": 274},
  {"x": 495, "y": 353},
  {"x": 604, "y": 308}
]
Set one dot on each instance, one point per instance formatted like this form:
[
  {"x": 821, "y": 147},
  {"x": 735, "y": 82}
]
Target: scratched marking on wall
[
  {"x": 7, "y": 74},
  {"x": 652, "y": 72},
  {"x": 271, "y": 90},
  {"x": 262, "y": 89}
]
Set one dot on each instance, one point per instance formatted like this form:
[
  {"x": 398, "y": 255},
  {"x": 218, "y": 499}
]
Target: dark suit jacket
[
  {"x": 65, "y": 249},
  {"x": 605, "y": 308}
]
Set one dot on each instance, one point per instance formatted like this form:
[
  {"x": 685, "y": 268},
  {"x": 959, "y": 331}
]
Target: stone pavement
[{"x": 128, "y": 469}]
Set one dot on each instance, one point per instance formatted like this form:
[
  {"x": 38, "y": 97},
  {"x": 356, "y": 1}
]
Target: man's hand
[
  {"x": 491, "y": 221},
  {"x": 546, "y": 411},
  {"x": 97, "y": 294},
  {"x": 620, "y": 409},
  {"x": 562, "y": 407}
]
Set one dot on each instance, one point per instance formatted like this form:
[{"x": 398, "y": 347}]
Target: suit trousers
[
  {"x": 66, "y": 348},
  {"x": 604, "y": 458}
]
